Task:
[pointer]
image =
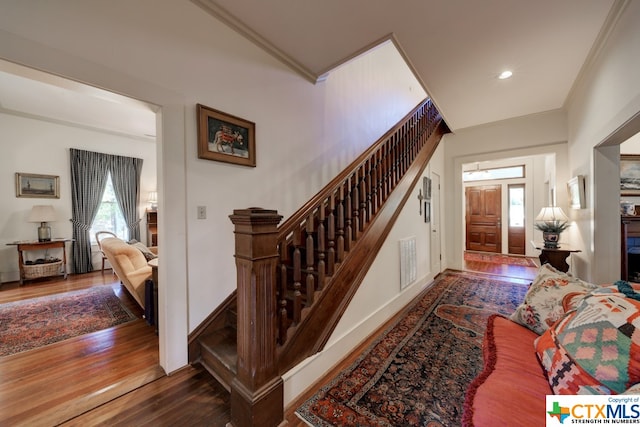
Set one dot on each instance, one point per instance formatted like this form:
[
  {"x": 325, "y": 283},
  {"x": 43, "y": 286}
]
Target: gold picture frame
[
  {"x": 225, "y": 138},
  {"x": 37, "y": 185}
]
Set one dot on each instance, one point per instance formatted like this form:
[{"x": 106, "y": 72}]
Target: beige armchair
[{"x": 129, "y": 264}]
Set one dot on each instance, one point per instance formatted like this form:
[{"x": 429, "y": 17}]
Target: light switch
[{"x": 202, "y": 212}]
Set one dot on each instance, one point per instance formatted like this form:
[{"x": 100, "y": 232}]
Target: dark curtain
[
  {"x": 125, "y": 176},
  {"x": 88, "y": 179},
  {"x": 89, "y": 171}
]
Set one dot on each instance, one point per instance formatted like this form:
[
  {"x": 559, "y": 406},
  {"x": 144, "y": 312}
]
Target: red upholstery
[{"x": 511, "y": 389}]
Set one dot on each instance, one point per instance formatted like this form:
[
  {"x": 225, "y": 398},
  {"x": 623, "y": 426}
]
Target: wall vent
[{"x": 408, "y": 261}]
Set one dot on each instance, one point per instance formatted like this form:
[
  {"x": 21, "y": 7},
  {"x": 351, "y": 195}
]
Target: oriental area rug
[
  {"x": 417, "y": 372},
  {"x": 499, "y": 259},
  {"x": 33, "y": 323}
]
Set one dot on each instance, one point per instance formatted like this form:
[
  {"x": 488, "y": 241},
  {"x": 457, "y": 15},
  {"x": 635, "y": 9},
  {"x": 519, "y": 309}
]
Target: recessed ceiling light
[{"x": 505, "y": 75}]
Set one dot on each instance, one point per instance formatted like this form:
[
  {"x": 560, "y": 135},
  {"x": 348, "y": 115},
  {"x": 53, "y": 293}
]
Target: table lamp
[
  {"x": 551, "y": 221},
  {"x": 153, "y": 200},
  {"x": 43, "y": 214}
]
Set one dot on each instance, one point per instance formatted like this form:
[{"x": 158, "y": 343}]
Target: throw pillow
[
  {"x": 542, "y": 305},
  {"x": 594, "y": 349},
  {"x": 142, "y": 248}
]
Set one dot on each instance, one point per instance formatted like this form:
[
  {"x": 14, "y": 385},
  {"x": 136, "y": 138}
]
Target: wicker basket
[{"x": 34, "y": 271}]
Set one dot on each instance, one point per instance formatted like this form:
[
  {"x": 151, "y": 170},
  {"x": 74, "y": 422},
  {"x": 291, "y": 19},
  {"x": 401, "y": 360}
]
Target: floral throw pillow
[
  {"x": 594, "y": 349},
  {"x": 542, "y": 305}
]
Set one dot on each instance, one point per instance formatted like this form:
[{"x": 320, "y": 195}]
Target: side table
[
  {"x": 557, "y": 257},
  {"x": 36, "y": 271}
]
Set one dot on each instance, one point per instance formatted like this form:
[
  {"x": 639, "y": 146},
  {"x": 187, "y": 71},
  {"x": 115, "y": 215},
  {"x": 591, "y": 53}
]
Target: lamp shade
[
  {"x": 42, "y": 213},
  {"x": 552, "y": 214},
  {"x": 153, "y": 197}
]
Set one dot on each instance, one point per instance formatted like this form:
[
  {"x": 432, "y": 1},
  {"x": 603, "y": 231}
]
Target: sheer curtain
[{"x": 89, "y": 172}]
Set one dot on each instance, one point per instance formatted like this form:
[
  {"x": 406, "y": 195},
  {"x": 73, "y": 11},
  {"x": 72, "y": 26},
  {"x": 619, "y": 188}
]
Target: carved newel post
[{"x": 257, "y": 390}]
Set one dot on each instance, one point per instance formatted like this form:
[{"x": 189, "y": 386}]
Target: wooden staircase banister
[
  {"x": 303, "y": 211},
  {"x": 327, "y": 310},
  {"x": 296, "y": 280},
  {"x": 343, "y": 210}
]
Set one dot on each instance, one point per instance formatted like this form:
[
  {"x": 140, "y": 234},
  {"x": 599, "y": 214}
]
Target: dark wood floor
[{"x": 113, "y": 378}]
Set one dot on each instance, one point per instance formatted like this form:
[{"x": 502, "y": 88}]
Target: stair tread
[{"x": 223, "y": 345}]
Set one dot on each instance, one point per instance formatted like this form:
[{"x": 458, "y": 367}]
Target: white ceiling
[
  {"x": 455, "y": 47},
  {"x": 32, "y": 93}
]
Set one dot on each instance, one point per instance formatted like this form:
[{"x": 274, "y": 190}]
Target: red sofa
[
  {"x": 567, "y": 337},
  {"x": 511, "y": 368}
]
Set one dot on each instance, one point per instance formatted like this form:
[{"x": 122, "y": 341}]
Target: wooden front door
[{"x": 483, "y": 218}]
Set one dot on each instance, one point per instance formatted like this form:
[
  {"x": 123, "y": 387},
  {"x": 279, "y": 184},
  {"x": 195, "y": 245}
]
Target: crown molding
[{"x": 237, "y": 25}]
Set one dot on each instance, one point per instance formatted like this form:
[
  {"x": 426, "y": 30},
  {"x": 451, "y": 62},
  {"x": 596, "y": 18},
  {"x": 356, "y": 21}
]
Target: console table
[
  {"x": 47, "y": 269},
  {"x": 556, "y": 257}
]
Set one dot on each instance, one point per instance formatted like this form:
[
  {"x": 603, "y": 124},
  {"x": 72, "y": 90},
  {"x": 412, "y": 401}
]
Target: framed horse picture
[{"x": 225, "y": 138}]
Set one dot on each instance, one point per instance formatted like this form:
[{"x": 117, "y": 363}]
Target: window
[
  {"x": 516, "y": 206},
  {"x": 109, "y": 216},
  {"x": 497, "y": 173}
]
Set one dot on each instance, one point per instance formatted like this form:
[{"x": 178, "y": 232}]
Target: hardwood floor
[
  {"x": 64, "y": 383},
  {"x": 507, "y": 270},
  {"x": 113, "y": 378}
]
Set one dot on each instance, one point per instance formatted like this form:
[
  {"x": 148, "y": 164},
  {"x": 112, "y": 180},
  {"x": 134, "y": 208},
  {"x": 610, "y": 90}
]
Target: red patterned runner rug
[
  {"x": 499, "y": 259},
  {"x": 29, "y": 324},
  {"x": 418, "y": 371}
]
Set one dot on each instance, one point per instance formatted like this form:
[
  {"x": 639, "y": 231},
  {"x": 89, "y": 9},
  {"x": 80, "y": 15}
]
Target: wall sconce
[
  {"x": 153, "y": 200},
  {"x": 43, "y": 214}
]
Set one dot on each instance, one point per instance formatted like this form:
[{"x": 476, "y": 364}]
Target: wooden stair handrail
[
  {"x": 323, "y": 316},
  {"x": 303, "y": 211},
  {"x": 318, "y": 237}
]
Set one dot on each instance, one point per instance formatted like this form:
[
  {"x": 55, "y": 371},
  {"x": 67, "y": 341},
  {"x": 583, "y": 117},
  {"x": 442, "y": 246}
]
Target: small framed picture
[
  {"x": 37, "y": 186},
  {"x": 427, "y": 211},
  {"x": 576, "y": 188},
  {"x": 426, "y": 184},
  {"x": 225, "y": 138}
]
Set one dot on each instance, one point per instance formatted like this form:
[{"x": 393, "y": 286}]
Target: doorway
[
  {"x": 120, "y": 124},
  {"x": 607, "y": 244}
]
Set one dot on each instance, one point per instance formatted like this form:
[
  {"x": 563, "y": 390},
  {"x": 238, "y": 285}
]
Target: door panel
[{"x": 483, "y": 218}]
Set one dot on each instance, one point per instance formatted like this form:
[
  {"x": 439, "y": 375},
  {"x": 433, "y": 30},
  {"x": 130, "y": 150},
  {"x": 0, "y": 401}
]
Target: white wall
[
  {"x": 607, "y": 98},
  {"x": 309, "y": 135},
  {"x": 173, "y": 55},
  {"x": 34, "y": 146}
]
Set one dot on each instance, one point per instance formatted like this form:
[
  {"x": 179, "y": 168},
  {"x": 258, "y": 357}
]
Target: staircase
[{"x": 295, "y": 280}]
